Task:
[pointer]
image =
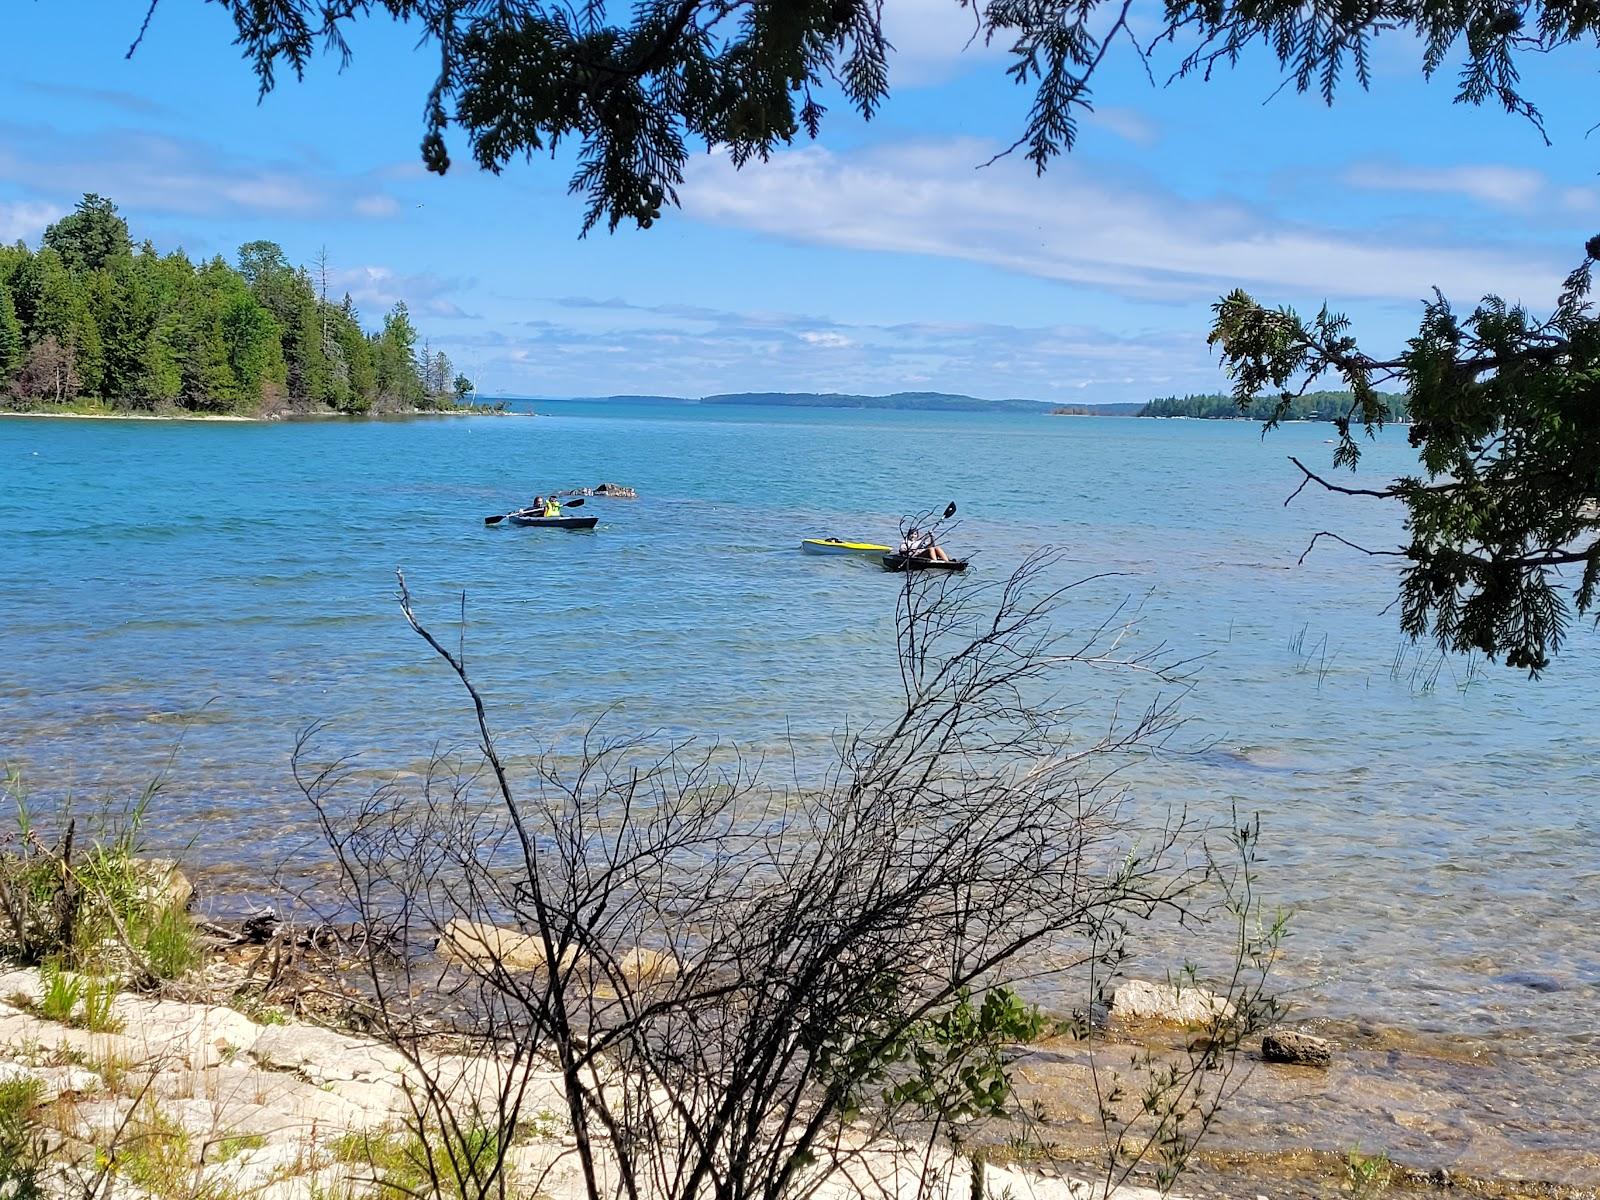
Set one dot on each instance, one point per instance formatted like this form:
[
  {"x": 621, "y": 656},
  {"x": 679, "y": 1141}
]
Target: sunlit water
[{"x": 1433, "y": 826}]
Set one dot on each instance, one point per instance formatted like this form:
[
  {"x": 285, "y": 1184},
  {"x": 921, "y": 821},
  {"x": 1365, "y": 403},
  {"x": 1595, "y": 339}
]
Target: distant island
[
  {"x": 1313, "y": 406},
  {"x": 902, "y": 401},
  {"x": 92, "y": 325},
  {"x": 1130, "y": 408}
]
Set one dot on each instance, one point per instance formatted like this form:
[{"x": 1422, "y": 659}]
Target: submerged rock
[
  {"x": 479, "y": 942},
  {"x": 1139, "y": 1000},
  {"x": 1531, "y": 980},
  {"x": 1300, "y": 1049}
]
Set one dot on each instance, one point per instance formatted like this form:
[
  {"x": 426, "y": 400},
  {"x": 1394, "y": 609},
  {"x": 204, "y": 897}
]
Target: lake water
[{"x": 1433, "y": 826}]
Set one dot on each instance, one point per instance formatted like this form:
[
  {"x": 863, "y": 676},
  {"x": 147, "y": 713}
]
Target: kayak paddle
[
  {"x": 575, "y": 503},
  {"x": 951, "y": 511}
]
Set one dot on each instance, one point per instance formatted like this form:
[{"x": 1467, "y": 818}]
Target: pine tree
[
  {"x": 399, "y": 386},
  {"x": 126, "y": 315},
  {"x": 90, "y": 237},
  {"x": 10, "y": 337},
  {"x": 357, "y": 354}
]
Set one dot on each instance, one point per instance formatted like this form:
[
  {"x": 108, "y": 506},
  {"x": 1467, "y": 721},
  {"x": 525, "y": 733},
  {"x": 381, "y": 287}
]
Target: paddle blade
[
  {"x": 575, "y": 502},
  {"x": 494, "y": 520},
  {"x": 951, "y": 511}
]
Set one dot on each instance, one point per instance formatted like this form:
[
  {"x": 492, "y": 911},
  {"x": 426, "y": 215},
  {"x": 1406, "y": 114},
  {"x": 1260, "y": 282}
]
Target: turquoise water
[{"x": 229, "y": 583}]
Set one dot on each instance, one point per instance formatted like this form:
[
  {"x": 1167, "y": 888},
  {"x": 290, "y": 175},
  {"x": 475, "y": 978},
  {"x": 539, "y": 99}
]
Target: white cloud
[
  {"x": 1500, "y": 186},
  {"x": 614, "y": 346},
  {"x": 1079, "y": 225},
  {"x": 1127, "y": 123},
  {"x": 1580, "y": 201},
  {"x": 377, "y": 205},
  {"x": 376, "y": 289},
  {"x": 26, "y": 220},
  {"x": 933, "y": 40},
  {"x": 159, "y": 174}
]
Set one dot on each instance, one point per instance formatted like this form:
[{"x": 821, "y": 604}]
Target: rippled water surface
[{"x": 1432, "y": 824}]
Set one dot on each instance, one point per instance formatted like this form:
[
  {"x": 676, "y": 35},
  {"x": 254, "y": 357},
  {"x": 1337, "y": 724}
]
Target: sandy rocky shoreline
[
  {"x": 246, "y": 1100},
  {"x": 270, "y": 1109}
]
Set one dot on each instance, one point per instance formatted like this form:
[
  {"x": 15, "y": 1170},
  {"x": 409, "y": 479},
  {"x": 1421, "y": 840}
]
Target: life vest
[{"x": 552, "y": 508}]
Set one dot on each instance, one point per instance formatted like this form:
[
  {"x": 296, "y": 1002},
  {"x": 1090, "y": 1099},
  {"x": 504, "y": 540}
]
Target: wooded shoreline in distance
[
  {"x": 90, "y": 325},
  {"x": 1313, "y": 406}
]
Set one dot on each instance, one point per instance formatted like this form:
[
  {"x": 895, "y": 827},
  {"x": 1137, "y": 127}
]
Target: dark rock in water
[
  {"x": 617, "y": 491},
  {"x": 1528, "y": 979},
  {"x": 1292, "y": 1046},
  {"x": 259, "y": 928}
]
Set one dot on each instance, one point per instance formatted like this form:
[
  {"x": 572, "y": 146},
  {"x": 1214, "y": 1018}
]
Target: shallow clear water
[{"x": 229, "y": 583}]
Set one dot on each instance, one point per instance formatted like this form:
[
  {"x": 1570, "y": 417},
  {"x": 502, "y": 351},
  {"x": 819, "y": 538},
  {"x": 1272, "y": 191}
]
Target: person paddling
[
  {"x": 552, "y": 508},
  {"x": 920, "y": 544}
]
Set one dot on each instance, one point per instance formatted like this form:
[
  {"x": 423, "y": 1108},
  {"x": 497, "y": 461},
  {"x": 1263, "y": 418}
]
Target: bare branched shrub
[{"x": 733, "y": 985}]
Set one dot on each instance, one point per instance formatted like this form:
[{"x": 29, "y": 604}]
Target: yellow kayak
[{"x": 835, "y": 546}]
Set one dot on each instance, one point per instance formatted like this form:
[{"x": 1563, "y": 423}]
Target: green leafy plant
[
  {"x": 1367, "y": 1175},
  {"x": 231, "y": 1147},
  {"x": 958, "y": 1057},
  {"x": 157, "y": 1154},
  {"x": 23, "y": 1146},
  {"x": 252, "y": 1005}
]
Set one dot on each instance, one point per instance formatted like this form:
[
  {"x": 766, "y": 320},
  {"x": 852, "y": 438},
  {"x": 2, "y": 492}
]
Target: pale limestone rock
[
  {"x": 1139, "y": 1000},
  {"x": 478, "y": 942},
  {"x": 164, "y": 884},
  {"x": 323, "y": 1056},
  {"x": 252, "y": 1172},
  {"x": 22, "y": 985},
  {"x": 641, "y": 965},
  {"x": 300, "y": 1088},
  {"x": 202, "y": 1032}
]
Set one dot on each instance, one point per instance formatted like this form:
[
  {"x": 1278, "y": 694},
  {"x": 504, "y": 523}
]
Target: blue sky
[{"x": 879, "y": 258}]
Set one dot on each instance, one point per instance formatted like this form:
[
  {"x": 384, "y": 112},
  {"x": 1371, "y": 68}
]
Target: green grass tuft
[
  {"x": 169, "y": 944},
  {"x": 23, "y": 1148},
  {"x": 403, "y": 1166}
]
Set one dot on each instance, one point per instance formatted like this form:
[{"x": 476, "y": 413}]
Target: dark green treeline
[
  {"x": 90, "y": 318},
  {"x": 1311, "y": 406}
]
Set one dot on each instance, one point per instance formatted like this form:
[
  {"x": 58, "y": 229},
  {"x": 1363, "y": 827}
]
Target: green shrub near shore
[{"x": 87, "y": 900}]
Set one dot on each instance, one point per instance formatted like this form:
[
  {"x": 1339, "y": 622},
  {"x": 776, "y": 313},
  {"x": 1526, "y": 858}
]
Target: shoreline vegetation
[
  {"x": 85, "y": 413},
  {"x": 92, "y": 325},
  {"x": 1312, "y": 406}
]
